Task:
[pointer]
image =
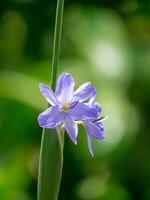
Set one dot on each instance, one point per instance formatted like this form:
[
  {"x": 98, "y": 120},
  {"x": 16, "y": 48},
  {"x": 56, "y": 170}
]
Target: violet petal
[
  {"x": 71, "y": 128},
  {"x": 65, "y": 88},
  {"x": 48, "y": 94},
  {"x": 82, "y": 112},
  {"x": 84, "y": 92},
  {"x": 51, "y": 117},
  {"x": 95, "y": 131},
  {"x": 94, "y": 104},
  {"x": 89, "y": 141}
]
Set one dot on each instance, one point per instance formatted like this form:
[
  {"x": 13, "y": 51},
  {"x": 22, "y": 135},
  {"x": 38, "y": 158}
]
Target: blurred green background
[{"x": 106, "y": 42}]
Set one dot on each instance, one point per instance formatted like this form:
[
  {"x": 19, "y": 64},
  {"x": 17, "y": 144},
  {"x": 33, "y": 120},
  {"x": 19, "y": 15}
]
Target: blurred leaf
[{"x": 20, "y": 87}]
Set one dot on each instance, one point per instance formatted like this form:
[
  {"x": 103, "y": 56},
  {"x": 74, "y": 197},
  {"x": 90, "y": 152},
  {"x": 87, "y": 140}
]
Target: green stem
[
  {"x": 51, "y": 152},
  {"x": 50, "y": 165},
  {"x": 57, "y": 39}
]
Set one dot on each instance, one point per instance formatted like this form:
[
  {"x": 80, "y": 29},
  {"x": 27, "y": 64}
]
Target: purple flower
[
  {"x": 67, "y": 105},
  {"x": 94, "y": 130},
  {"x": 94, "y": 127}
]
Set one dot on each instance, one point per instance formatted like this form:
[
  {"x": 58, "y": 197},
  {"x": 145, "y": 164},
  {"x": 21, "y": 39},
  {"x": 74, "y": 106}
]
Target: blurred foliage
[{"x": 105, "y": 42}]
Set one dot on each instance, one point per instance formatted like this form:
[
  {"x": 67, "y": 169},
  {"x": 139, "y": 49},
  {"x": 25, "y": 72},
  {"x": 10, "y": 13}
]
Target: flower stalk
[
  {"x": 57, "y": 40},
  {"x": 51, "y": 151}
]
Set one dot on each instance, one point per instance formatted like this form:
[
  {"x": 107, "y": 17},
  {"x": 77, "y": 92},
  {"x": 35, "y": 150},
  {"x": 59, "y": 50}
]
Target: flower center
[{"x": 65, "y": 106}]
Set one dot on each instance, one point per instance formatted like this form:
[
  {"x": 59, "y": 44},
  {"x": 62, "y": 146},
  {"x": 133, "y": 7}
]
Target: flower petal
[
  {"x": 94, "y": 104},
  {"x": 48, "y": 94},
  {"x": 97, "y": 107},
  {"x": 84, "y": 92},
  {"x": 92, "y": 100},
  {"x": 71, "y": 128},
  {"x": 95, "y": 131},
  {"x": 82, "y": 112},
  {"x": 65, "y": 88},
  {"x": 89, "y": 140},
  {"x": 51, "y": 117}
]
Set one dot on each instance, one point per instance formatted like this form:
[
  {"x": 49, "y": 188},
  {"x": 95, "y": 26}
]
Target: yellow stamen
[{"x": 65, "y": 106}]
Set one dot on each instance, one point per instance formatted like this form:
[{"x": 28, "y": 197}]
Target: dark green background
[{"x": 105, "y": 42}]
